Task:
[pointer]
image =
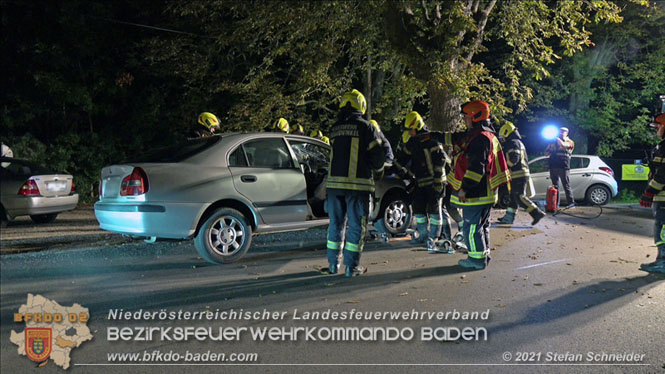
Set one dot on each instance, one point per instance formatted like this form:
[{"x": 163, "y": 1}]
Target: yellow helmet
[
  {"x": 356, "y": 99},
  {"x": 414, "y": 121},
  {"x": 281, "y": 125},
  {"x": 316, "y": 134},
  {"x": 208, "y": 120},
  {"x": 297, "y": 130},
  {"x": 406, "y": 136},
  {"x": 506, "y": 129},
  {"x": 325, "y": 140},
  {"x": 375, "y": 124}
]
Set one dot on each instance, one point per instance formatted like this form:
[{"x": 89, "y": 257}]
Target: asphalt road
[{"x": 568, "y": 286}]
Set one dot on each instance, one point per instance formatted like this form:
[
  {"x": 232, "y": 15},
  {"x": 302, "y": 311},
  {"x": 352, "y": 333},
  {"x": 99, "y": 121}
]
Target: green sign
[{"x": 631, "y": 172}]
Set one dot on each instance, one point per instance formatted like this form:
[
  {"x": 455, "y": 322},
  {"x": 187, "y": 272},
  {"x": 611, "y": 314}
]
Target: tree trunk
[{"x": 444, "y": 109}]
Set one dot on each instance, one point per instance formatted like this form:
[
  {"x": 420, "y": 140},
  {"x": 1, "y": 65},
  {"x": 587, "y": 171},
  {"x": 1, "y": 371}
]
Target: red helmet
[
  {"x": 477, "y": 109},
  {"x": 660, "y": 119}
]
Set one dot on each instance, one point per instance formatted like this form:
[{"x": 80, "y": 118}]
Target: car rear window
[
  {"x": 13, "y": 166},
  {"x": 177, "y": 152}
]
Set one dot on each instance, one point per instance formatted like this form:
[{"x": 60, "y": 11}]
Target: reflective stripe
[
  {"x": 373, "y": 144},
  {"x": 353, "y": 158},
  {"x": 453, "y": 182},
  {"x": 662, "y": 235},
  {"x": 434, "y": 221},
  {"x": 656, "y": 185},
  {"x": 660, "y": 197},
  {"x": 472, "y": 242},
  {"x": 428, "y": 161},
  {"x": 334, "y": 245},
  {"x": 351, "y": 247},
  {"x": 473, "y": 176},
  {"x": 352, "y": 187},
  {"x": 420, "y": 218},
  {"x": 485, "y": 200},
  {"x": 448, "y": 138},
  {"x": 365, "y": 181},
  {"x": 519, "y": 174}
]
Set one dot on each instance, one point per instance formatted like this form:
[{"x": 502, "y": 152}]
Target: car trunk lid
[{"x": 52, "y": 185}]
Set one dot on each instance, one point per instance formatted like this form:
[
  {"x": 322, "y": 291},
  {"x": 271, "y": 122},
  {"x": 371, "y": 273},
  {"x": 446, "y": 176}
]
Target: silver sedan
[
  {"x": 224, "y": 189},
  {"x": 31, "y": 189}
]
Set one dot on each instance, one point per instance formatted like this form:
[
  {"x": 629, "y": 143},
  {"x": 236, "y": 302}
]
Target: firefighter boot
[
  {"x": 421, "y": 221},
  {"x": 509, "y": 218},
  {"x": 473, "y": 264},
  {"x": 537, "y": 215},
  {"x": 657, "y": 266}
]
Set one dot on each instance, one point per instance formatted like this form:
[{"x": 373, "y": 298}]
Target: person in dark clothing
[
  {"x": 518, "y": 163},
  {"x": 426, "y": 161},
  {"x": 357, "y": 159},
  {"x": 210, "y": 123},
  {"x": 654, "y": 198},
  {"x": 380, "y": 224},
  {"x": 559, "y": 157}
]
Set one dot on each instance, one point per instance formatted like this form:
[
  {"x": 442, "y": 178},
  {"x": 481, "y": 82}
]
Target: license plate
[{"x": 56, "y": 186}]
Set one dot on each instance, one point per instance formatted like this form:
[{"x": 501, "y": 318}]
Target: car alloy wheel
[
  {"x": 598, "y": 195},
  {"x": 397, "y": 216},
  {"x": 226, "y": 236}
]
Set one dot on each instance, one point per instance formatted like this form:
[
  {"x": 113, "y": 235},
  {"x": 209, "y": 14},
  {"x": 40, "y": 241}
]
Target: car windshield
[
  {"x": 24, "y": 168},
  {"x": 177, "y": 152}
]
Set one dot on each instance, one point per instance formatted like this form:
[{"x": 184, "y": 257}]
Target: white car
[{"x": 591, "y": 179}]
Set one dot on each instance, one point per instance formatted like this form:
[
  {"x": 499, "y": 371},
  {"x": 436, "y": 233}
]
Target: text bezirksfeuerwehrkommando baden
[{"x": 295, "y": 315}]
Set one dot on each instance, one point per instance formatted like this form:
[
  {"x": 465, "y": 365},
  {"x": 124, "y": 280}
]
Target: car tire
[
  {"x": 224, "y": 238},
  {"x": 396, "y": 213},
  {"x": 44, "y": 218},
  {"x": 598, "y": 195}
]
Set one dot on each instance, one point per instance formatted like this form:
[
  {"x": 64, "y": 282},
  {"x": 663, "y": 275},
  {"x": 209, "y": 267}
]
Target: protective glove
[
  {"x": 461, "y": 195},
  {"x": 411, "y": 186},
  {"x": 647, "y": 199}
]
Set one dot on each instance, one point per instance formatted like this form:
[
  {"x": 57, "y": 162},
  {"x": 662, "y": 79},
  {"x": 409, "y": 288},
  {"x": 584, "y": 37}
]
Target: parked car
[
  {"x": 591, "y": 179},
  {"x": 224, "y": 189},
  {"x": 34, "y": 190}
]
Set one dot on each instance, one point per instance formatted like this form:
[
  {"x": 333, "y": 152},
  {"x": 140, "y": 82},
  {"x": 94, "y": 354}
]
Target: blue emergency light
[{"x": 550, "y": 132}]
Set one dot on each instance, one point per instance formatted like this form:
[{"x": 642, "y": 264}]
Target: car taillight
[
  {"x": 29, "y": 188},
  {"x": 607, "y": 170},
  {"x": 73, "y": 186},
  {"x": 134, "y": 184}
]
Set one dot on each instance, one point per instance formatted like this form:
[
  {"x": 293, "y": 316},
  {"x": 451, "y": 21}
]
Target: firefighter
[
  {"x": 316, "y": 134},
  {"x": 559, "y": 161},
  {"x": 654, "y": 197},
  {"x": 211, "y": 124},
  {"x": 427, "y": 167},
  {"x": 518, "y": 163},
  {"x": 357, "y": 159},
  {"x": 280, "y": 125},
  {"x": 480, "y": 168},
  {"x": 297, "y": 130},
  {"x": 380, "y": 224}
]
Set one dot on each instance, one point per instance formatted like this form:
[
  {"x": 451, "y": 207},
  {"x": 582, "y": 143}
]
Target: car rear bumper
[
  {"x": 32, "y": 205},
  {"x": 173, "y": 221}
]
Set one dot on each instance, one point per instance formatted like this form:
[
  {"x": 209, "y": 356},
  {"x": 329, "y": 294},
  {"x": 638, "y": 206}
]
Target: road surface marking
[{"x": 544, "y": 263}]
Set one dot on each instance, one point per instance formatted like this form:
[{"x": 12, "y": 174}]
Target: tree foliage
[{"x": 89, "y": 83}]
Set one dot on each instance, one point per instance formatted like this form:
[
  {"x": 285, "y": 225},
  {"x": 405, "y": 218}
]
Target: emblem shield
[{"x": 38, "y": 343}]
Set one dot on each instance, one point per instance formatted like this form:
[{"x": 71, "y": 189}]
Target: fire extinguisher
[{"x": 552, "y": 199}]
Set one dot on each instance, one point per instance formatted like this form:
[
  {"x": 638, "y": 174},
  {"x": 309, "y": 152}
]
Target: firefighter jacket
[
  {"x": 657, "y": 166},
  {"x": 356, "y": 153},
  {"x": 480, "y": 166},
  {"x": 428, "y": 160},
  {"x": 516, "y": 157},
  {"x": 560, "y": 152}
]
